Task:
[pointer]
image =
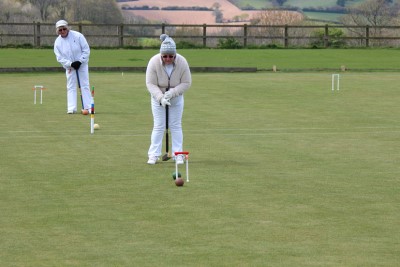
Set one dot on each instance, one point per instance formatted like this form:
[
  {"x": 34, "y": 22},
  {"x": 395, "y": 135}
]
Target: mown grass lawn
[{"x": 283, "y": 172}]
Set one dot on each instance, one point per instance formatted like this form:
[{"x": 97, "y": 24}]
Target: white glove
[
  {"x": 168, "y": 95},
  {"x": 165, "y": 102}
]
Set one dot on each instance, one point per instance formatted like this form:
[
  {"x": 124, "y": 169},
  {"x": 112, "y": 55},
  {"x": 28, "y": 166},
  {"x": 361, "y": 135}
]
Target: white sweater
[{"x": 157, "y": 77}]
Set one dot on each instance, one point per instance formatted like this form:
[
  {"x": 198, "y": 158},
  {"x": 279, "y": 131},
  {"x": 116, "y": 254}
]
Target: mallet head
[{"x": 166, "y": 157}]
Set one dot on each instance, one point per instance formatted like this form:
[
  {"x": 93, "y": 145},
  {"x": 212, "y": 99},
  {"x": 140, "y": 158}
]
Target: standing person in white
[
  {"x": 167, "y": 70},
  {"x": 72, "y": 52}
]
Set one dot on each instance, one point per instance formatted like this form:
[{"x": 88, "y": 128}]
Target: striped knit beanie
[{"x": 168, "y": 45}]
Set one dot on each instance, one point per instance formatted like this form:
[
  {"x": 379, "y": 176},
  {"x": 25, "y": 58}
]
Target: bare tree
[
  {"x": 43, "y": 6},
  {"x": 60, "y": 9},
  {"x": 97, "y": 11},
  {"x": 219, "y": 16},
  {"x": 273, "y": 18},
  {"x": 370, "y": 13},
  {"x": 16, "y": 11}
]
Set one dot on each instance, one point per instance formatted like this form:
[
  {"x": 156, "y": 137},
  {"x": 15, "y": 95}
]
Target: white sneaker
[
  {"x": 152, "y": 160},
  {"x": 179, "y": 159}
]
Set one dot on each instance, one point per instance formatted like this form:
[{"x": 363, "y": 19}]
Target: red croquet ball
[
  {"x": 85, "y": 111},
  {"x": 179, "y": 182}
]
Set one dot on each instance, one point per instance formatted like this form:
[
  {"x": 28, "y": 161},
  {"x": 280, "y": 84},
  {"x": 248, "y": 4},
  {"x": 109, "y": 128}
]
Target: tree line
[
  {"x": 370, "y": 12},
  {"x": 94, "y": 11}
]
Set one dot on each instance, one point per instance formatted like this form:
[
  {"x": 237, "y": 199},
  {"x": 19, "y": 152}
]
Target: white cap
[{"x": 61, "y": 23}]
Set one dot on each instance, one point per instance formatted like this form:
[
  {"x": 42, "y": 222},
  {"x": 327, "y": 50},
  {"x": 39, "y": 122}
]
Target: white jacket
[
  {"x": 72, "y": 48},
  {"x": 157, "y": 77}
]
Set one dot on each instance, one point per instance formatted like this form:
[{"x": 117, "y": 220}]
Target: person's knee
[
  {"x": 159, "y": 127},
  {"x": 175, "y": 128},
  {"x": 175, "y": 125}
]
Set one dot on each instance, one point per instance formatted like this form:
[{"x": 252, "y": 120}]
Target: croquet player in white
[
  {"x": 167, "y": 70},
  {"x": 72, "y": 52}
]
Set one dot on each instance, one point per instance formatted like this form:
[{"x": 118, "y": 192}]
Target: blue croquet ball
[{"x": 174, "y": 175}]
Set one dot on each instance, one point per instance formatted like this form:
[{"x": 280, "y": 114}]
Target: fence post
[
  {"x": 204, "y": 35},
  {"x": 34, "y": 34},
  {"x": 37, "y": 32},
  {"x": 163, "y": 28},
  {"x": 326, "y": 36},
  {"x": 80, "y": 27},
  {"x": 121, "y": 35},
  {"x": 245, "y": 35},
  {"x": 286, "y": 35},
  {"x": 367, "y": 36}
]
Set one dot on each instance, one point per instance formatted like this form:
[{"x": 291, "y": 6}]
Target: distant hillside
[
  {"x": 153, "y": 10},
  {"x": 259, "y": 4},
  {"x": 226, "y": 11}
]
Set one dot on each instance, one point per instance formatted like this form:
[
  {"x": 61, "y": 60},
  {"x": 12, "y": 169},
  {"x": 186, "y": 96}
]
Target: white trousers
[
  {"x": 72, "y": 89},
  {"x": 175, "y": 112}
]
